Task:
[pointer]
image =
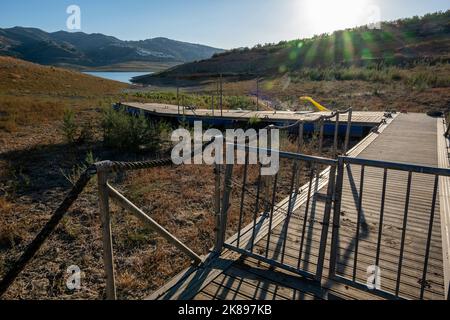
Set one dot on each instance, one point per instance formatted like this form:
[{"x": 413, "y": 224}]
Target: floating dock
[{"x": 362, "y": 122}]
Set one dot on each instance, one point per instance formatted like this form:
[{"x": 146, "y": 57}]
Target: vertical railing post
[
  {"x": 321, "y": 124},
  {"x": 178, "y": 100},
  {"x": 326, "y": 223},
  {"x": 184, "y": 107},
  {"x": 212, "y": 104},
  {"x": 257, "y": 94},
  {"x": 217, "y": 199},
  {"x": 347, "y": 134},
  {"x": 108, "y": 256},
  {"x": 221, "y": 233},
  {"x": 301, "y": 128},
  {"x": 336, "y": 217},
  {"x": 221, "y": 96},
  {"x": 266, "y": 179},
  {"x": 336, "y": 137}
]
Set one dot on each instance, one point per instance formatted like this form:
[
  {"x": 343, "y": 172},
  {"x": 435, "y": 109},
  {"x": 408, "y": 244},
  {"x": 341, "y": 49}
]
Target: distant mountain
[
  {"x": 95, "y": 50},
  {"x": 401, "y": 43}
]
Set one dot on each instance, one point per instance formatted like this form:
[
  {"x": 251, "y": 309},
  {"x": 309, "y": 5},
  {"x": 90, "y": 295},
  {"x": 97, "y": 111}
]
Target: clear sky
[{"x": 220, "y": 23}]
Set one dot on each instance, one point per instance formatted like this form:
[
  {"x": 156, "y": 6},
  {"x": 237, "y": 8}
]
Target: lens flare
[{"x": 323, "y": 16}]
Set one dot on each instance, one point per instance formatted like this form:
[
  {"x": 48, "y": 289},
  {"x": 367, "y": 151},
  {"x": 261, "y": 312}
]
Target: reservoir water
[{"x": 117, "y": 75}]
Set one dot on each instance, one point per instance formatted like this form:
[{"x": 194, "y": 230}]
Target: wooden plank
[{"x": 331, "y": 291}]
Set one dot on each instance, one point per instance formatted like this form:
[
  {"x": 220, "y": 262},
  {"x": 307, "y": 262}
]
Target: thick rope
[{"x": 73, "y": 195}]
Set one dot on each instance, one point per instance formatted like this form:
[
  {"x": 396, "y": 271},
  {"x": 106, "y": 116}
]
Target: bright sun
[{"x": 320, "y": 16}]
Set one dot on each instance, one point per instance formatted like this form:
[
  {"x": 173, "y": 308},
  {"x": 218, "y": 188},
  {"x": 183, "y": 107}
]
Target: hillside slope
[
  {"x": 31, "y": 94},
  {"x": 19, "y": 77},
  {"x": 402, "y": 42},
  {"x": 93, "y": 50}
]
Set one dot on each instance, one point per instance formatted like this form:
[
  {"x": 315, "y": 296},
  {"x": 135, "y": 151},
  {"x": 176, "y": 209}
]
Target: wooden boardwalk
[{"x": 409, "y": 138}]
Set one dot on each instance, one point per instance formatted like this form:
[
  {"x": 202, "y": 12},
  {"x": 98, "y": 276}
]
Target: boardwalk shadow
[{"x": 200, "y": 274}]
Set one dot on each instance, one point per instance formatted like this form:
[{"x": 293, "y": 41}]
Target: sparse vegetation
[
  {"x": 127, "y": 132},
  {"x": 402, "y": 43},
  {"x": 254, "y": 121},
  {"x": 16, "y": 112},
  {"x": 201, "y": 100},
  {"x": 34, "y": 95},
  {"x": 422, "y": 75},
  {"x": 69, "y": 126}
]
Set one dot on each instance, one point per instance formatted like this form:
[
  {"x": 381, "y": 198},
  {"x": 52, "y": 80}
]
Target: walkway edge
[{"x": 444, "y": 200}]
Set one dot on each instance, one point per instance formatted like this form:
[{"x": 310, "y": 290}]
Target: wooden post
[
  {"x": 347, "y": 134},
  {"x": 108, "y": 256},
  {"x": 221, "y": 233}
]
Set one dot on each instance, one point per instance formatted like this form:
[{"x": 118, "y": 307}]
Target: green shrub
[
  {"x": 200, "y": 101},
  {"x": 254, "y": 121},
  {"x": 69, "y": 127},
  {"x": 127, "y": 132}
]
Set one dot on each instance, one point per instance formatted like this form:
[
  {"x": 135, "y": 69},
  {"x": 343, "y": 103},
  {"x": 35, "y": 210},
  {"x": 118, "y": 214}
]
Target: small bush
[
  {"x": 126, "y": 132},
  {"x": 254, "y": 121},
  {"x": 69, "y": 127}
]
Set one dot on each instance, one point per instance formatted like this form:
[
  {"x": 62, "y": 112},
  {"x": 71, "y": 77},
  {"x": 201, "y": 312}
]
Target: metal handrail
[
  {"x": 286, "y": 155},
  {"x": 344, "y": 161},
  {"x": 397, "y": 166}
]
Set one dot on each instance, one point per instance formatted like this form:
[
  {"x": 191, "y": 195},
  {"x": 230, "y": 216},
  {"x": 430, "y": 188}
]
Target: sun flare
[{"x": 321, "y": 16}]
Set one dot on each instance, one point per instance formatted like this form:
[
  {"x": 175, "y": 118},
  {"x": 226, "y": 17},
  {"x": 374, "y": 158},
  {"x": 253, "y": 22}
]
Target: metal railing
[
  {"x": 262, "y": 212},
  {"x": 427, "y": 175},
  {"x": 265, "y": 209}
]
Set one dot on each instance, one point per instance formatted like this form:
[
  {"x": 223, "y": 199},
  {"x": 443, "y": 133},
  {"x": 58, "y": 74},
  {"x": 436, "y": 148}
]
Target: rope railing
[{"x": 104, "y": 166}]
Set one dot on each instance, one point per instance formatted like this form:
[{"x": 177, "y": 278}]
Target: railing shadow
[{"x": 343, "y": 259}]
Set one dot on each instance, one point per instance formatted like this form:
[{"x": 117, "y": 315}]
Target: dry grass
[
  {"x": 19, "y": 77},
  {"x": 25, "y": 111},
  {"x": 31, "y": 94},
  {"x": 11, "y": 233}
]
